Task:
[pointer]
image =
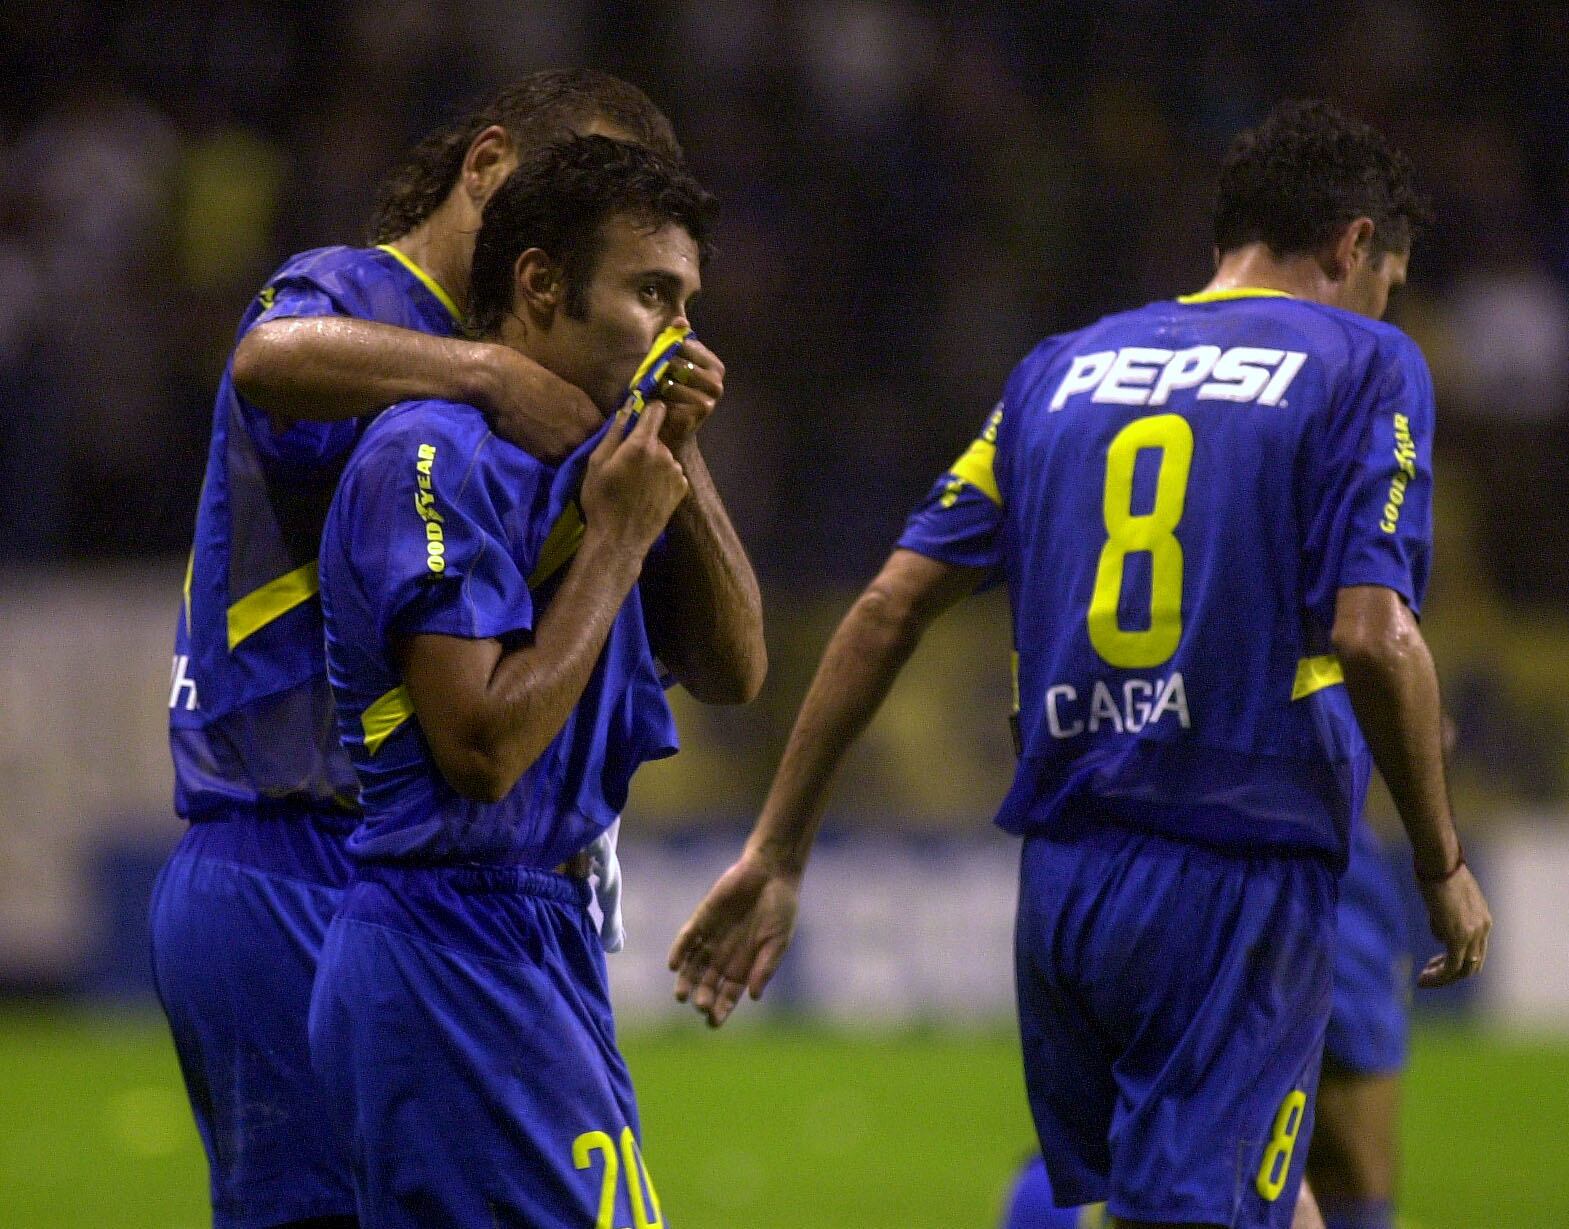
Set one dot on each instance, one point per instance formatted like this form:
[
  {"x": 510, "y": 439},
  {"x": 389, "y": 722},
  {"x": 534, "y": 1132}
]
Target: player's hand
[
  {"x": 1458, "y": 914},
  {"x": 735, "y": 938},
  {"x": 633, "y": 482},
  {"x": 536, "y": 409},
  {"x": 692, "y": 387}
]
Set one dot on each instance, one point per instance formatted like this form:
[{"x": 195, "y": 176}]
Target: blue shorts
[
  {"x": 238, "y": 916},
  {"x": 1172, "y": 1006},
  {"x": 1368, "y": 1022},
  {"x": 461, "y": 1025}
]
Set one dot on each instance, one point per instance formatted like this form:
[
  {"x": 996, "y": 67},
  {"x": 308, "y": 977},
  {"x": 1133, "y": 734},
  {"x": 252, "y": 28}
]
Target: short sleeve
[
  {"x": 308, "y": 444},
  {"x": 960, "y": 520},
  {"x": 428, "y": 540},
  {"x": 1372, "y": 523}
]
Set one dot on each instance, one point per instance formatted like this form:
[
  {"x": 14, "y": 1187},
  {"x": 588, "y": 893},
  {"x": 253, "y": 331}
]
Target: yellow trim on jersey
[
  {"x": 1235, "y": 292},
  {"x": 561, "y": 543},
  {"x": 976, "y": 468},
  {"x": 430, "y": 283},
  {"x": 385, "y": 715},
  {"x": 1315, "y": 674},
  {"x": 667, "y": 337},
  {"x": 185, "y": 589},
  {"x": 273, "y": 600}
]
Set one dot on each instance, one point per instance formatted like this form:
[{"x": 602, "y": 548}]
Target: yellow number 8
[
  {"x": 1153, "y": 531},
  {"x": 1282, "y": 1143}
]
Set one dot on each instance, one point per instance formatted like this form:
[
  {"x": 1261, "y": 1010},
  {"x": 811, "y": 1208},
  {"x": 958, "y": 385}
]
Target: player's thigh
[
  {"x": 475, "y": 1089},
  {"x": 1354, "y": 1151},
  {"x": 1218, "y": 1024}
]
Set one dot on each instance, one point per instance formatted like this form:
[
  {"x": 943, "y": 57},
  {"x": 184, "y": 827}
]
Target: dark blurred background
[{"x": 913, "y": 194}]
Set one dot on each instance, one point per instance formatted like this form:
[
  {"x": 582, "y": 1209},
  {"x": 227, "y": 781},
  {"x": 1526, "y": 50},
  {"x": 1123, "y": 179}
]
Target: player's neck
[
  {"x": 444, "y": 250},
  {"x": 1254, "y": 267}
]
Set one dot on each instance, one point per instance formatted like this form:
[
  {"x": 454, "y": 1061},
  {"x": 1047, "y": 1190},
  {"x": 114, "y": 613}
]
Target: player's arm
[
  {"x": 1394, "y": 692},
  {"x": 738, "y": 934},
  {"x": 488, "y": 712},
  {"x": 332, "y": 368},
  {"x": 700, "y": 595}
]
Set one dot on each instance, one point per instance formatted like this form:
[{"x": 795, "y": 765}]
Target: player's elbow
[
  {"x": 1366, "y": 646},
  {"x": 257, "y": 361},
  {"x": 887, "y": 611},
  {"x": 478, "y": 771},
  {"x": 732, "y": 682}
]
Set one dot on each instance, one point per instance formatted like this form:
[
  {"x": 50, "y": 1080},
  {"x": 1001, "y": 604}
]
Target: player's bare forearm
[
  {"x": 862, "y": 660},
  {"x": 330, "y": 368},
  {"x": 489, "y": 714},
  {"x": 739, "y": 932},
  {"x": 704, "y": 609},
  {"x": 1394, "y": 692}
]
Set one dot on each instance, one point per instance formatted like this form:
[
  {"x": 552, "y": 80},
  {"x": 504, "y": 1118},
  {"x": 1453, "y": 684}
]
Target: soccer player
[
  {"x": 1351, "y": 1161},
  {"x": 1213, "y": 520},
  {"x": 241, "y": 908},
  {"x": 497, "y": 689}
]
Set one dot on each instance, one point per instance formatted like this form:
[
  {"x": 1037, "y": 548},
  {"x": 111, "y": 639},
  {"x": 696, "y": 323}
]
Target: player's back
[
  {"x": 251, "y": 715},
  {"x": 1185, "y": 487}
]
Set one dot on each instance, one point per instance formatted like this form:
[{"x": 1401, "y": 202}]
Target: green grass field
[{"x": 762, "y": 1127}]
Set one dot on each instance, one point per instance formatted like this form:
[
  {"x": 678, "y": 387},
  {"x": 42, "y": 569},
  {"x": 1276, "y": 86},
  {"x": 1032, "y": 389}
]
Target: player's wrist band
[{"x": 1432, "y": 881}]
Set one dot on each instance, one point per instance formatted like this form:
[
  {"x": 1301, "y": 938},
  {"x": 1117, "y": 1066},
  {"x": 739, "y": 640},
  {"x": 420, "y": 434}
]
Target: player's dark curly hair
[
  {"x": 540, "y": 108},
  {"x": 559, "y": 199},
  {"x": 1305, "y": 172}
]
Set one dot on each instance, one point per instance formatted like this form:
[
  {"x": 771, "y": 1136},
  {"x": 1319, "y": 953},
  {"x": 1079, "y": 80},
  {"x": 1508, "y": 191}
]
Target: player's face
[
  {"x": 1369, "y": 286},
  {"x": 642, "y": 284}
]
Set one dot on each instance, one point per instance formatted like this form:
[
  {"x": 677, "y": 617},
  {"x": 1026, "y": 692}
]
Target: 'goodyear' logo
[
  {"x": 266, "y": 297},
  {"x": 1405, "y": 458},
  {"x": 425, "y": 505}
]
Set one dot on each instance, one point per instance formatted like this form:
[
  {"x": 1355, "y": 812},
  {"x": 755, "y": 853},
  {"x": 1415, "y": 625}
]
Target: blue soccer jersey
[
  {"x": 1174, "y": 495},
  {"x": 250, "y": 710},
  {"x": 439, "y": 527}
]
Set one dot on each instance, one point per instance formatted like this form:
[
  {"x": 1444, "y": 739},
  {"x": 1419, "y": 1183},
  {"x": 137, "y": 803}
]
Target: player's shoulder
[
  {"x": 421, "y": 430},
  {"x": 326, "y": 263}
]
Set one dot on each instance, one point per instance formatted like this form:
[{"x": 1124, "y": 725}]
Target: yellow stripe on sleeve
[
  {"x": 975, "y": 467},
  {"x": 1315, "y": 674},
  {"x": 273, "y": 600},
  {"x": 561, "y": 543},
  {"x": 384, "y": 716},
  {"x": 430, "y": 283}
]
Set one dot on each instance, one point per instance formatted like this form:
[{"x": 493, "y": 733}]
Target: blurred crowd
[{"x": 913, "y": 194}]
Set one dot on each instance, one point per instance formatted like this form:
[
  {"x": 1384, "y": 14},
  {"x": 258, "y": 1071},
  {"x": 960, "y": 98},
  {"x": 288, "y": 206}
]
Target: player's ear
[
  {"x": 538, "y": 284},
  {"x": 491, "y": 157},
  {"x": 1353, "y": 246}
]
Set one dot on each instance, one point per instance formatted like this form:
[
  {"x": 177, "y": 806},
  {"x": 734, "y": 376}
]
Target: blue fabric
[
  {"x": 1171, "y": 997},
  {"x": 238, "y": 916},
  {"x": 1311, "y": 436},
  {"x": 437, "y": 528},
  {"x": 462, "y": 1026},
  {"x": 255, "y": 721},
  {"x": 1030, "y": 1204},
  {"x": 1369, "y": 1021}
]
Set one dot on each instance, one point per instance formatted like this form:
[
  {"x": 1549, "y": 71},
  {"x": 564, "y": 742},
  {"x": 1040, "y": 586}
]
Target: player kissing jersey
[
  {"x": 1174, "y": 511},
  {"x": 461, "y": 1018}
]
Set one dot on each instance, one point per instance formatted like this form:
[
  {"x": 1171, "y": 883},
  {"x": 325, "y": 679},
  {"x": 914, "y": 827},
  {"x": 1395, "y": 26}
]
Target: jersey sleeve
[
  {"x": 1373, "y": 519},
  {"x": 302, "y": 443},
  {"x": 960, "y": 520},
  {"x": 429, "y": 543}
]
